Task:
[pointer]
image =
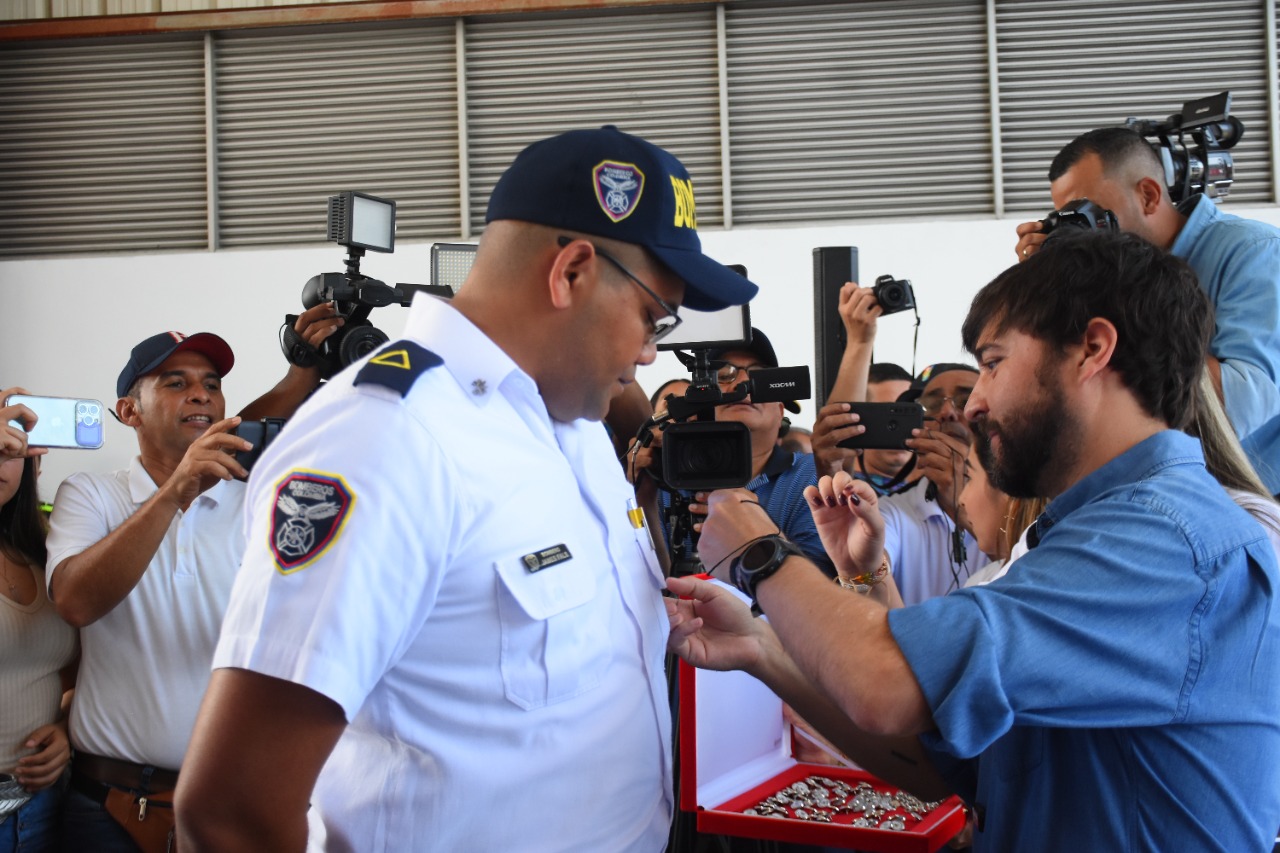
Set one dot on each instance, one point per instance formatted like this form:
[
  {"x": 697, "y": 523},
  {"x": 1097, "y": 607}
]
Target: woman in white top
[{"x": 37, "y": 657}]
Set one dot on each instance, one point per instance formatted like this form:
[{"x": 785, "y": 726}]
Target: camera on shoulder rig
[
  {"x": 359, "y": 222},
  {"x": 1192, "y": 146}
]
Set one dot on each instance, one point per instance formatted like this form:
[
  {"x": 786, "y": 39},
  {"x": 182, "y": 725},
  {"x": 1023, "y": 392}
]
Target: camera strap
[
  {"x": 890, "y": 486},
  {"x": 296, "y": 349}
]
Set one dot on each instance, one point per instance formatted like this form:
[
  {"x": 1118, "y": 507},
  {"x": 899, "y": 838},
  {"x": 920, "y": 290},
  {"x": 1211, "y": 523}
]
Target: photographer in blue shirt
[
  {"x": 1237, "y": 261},
  {"x": 1120, "y": 690}
]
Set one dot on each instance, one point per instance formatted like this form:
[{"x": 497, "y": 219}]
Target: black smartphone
[
  {"x": 260, "y": 433},
  {"x": 889, "y": 425}
]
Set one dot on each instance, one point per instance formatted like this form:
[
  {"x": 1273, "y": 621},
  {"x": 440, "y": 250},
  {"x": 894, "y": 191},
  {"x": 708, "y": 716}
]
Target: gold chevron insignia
[{"x": 396, "y": 358}]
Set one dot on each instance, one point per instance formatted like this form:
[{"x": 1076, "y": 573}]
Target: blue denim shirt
[
  {"x": 1119, "y": 689},
  {"x": 1263, "y": 448},
  {"x": 1238, "y": 263}
]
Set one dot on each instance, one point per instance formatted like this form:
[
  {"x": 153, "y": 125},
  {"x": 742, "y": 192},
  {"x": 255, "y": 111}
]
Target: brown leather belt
[{"x": 123, "y": 774}]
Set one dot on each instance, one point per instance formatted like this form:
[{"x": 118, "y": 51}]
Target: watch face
[{"x": 759, "y": 554}]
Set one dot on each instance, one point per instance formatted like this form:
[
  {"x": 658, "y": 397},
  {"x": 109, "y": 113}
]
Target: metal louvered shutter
[
  {"x": 1093, "y": 63},
  {"x": 307, "y": 113},
  {"x": 653, "y": 74},
  {"x": 844, "y": 110},
  {"x": 102, "y": 146}
]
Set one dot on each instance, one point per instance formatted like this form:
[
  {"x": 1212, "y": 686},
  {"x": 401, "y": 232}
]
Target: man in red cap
[{"x": 142, "y": 561}]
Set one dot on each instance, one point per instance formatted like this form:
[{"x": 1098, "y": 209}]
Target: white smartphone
[{"x": 62, "y": 421}]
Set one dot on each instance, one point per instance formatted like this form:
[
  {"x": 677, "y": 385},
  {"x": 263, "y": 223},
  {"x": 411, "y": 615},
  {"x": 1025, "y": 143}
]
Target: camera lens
[
  {"x": 359, "y": 342},
  {"x": 709, "y": 456},
  {"x": 891, "y": 296},
  {"x": 706, "y": 455}
]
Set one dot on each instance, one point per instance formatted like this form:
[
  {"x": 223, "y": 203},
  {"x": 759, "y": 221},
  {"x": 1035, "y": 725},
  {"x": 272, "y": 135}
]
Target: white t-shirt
[
  {"x": 917, "y": 538},
  {"x": 460, "y": 574},
  {"x": 144, "y": 666}
]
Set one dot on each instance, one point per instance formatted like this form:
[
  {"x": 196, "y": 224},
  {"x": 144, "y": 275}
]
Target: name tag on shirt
[{"x": 539, "y": 560}]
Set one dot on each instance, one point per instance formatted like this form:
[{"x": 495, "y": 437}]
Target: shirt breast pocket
[{"x": 554, "y": 631}]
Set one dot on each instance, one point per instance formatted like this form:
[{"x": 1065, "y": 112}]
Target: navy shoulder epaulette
[{"x": 397, "y": 366}]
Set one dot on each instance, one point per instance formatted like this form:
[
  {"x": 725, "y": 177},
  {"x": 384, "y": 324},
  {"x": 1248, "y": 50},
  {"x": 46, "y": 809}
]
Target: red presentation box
[{"x": 735, "y": 754}]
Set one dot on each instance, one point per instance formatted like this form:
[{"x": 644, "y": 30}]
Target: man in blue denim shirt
[
  {"x": 1237, "y": 261},
  {"x": 1119, "y": 689}
]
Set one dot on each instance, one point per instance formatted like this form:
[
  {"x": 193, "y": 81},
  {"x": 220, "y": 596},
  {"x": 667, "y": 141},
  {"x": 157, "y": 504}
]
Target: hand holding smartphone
[
  {"x": 888, "y": 425},
  {"x": 61, "y": 421}
]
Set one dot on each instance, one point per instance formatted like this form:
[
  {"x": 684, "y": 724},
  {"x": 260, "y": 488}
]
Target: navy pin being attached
[
  {"x": 539, "y": 560},
  {"x": 397, "y": 366}
]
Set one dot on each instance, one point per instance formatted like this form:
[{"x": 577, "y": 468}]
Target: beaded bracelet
[{"x": 866, "y": 580}]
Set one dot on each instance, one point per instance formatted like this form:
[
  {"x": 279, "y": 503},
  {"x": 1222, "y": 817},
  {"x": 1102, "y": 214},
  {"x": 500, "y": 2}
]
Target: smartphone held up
[
  {"x": 61, "y": 421},
  {"x": 888, "y": 425}
]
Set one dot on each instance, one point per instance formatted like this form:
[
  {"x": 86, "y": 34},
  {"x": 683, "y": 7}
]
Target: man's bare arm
[
  {"x": 713, "y": 629},
  {"x": 858, "y": 310},
  {"x": 255, "y": 754},
  {"x": 314, "y": 325},
  {"x": 899, "y": 760}
]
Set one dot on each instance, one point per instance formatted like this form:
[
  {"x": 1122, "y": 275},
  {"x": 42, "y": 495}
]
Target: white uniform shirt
[
  {"x": 490, "y": 706},
  {"x": 144, "y": 666},
  {"x": 917, "y": 537}
]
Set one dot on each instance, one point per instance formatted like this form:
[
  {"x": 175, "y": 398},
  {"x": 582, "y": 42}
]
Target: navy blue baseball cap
[
  {"x": 152, "y": 352},
  {"x": 615, "y": 185}
]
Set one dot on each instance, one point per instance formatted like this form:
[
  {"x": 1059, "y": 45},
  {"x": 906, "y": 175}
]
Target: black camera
[
  {"x": 1080, "y": 214},
  {"x": 698, "y": 452},
  {"x": 259, "y": 433},
  {"x": 894, "y": 294},
  {"x": 1192, "y": 146},
  {"x": 359, "y": 222}
]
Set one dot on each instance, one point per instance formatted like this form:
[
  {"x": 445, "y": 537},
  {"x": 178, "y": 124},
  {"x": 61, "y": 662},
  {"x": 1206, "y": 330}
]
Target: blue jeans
[
  {"x": 87, "y": 826},
  {"x": 34, "y": 827}
]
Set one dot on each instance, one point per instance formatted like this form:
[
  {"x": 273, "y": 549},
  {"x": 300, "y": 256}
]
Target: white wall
[{"x": 68, "y": 324}]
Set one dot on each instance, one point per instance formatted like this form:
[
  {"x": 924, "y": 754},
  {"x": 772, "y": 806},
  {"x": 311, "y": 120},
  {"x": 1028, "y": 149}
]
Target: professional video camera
[
  {"x": 1192, "y": 146},
  {"x": 698, "y": 452},
  {"x": 1080, "y": 214},
  {"x": 359, "y": 222}
]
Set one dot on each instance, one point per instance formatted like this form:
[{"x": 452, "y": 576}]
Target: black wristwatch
[{"x": 759, "y": 561}]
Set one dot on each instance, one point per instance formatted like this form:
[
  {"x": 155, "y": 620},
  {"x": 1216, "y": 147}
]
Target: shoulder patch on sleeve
[
  {"x": 397, "y": 366},
  {"x": 307, "y": 515}
]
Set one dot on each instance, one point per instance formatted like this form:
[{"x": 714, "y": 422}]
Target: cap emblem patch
[{"x": 618, "y": 188}]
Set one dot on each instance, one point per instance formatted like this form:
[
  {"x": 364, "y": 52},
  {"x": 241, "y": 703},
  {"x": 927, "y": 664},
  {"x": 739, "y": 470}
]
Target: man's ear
[
  {"x": 128, "y": 412},
  {"x": 572, "y": 267},
  {"x": 1149, "y": 192},
  {"x": 1097, "y": 346}
]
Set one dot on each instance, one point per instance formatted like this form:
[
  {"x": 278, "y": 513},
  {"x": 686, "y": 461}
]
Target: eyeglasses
[
  {"x": 659, "y": 328},
  {"x": 933, "y": 405},
  {"x": 730, "y": 373}
]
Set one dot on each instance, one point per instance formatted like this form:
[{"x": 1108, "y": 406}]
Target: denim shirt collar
[
  {"x": 1200, "y": 211},
  {"x": 1169, "y": 447}
]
